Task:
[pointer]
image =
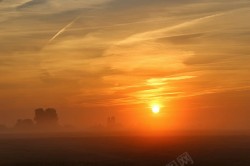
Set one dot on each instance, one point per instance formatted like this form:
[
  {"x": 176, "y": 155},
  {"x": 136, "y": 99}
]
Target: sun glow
[{"x": 155, "y": 109}]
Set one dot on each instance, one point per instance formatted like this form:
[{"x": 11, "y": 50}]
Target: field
[{"x": 77, "y": 150}]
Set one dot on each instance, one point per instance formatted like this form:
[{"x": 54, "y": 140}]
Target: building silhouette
[
  {"x": 111, "y": 121},
  {"x": 46, "y": 117},
  {"x": 24, "y": 124}
]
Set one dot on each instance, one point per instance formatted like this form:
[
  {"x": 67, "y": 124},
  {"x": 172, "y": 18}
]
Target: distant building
[
  {"x": 46, "y": 118},
  {"x": 111, "y": 122},
  {"x": 24, "y": 124}
]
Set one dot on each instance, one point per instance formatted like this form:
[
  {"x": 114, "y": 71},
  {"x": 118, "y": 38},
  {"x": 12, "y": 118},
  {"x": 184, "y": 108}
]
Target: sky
[{"x": 95, "y": 58}]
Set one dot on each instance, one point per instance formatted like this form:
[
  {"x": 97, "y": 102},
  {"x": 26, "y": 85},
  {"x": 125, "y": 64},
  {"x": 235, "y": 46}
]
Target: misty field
[{"x": 65, "y": 150}]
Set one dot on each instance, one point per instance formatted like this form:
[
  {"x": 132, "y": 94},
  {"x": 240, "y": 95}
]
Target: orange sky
[{"x": 92, "y": 58}]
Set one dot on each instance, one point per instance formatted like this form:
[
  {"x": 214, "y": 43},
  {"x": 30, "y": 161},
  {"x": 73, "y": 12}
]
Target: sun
[{"x": 155, "y": 109}]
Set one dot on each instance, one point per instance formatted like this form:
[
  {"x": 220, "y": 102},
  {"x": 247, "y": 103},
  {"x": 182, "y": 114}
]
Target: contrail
[
  {"x": 79, "y": 29},
  {"x": 157, "y": 34},
  {"x": 63, "y": 29}
]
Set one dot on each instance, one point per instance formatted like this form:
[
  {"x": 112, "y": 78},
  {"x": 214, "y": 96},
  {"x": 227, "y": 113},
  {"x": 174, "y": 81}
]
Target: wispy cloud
[{"x": 162, "y": 33}]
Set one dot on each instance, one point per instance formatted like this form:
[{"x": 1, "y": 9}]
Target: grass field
[{"x": 65, "y": 150}]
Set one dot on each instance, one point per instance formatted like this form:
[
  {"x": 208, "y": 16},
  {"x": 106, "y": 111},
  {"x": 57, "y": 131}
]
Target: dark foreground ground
[{"x": 123, "y": 150}]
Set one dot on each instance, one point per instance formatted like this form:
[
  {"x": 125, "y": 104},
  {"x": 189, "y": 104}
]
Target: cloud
[
  {"x": 12, "y": 4},
  {"x": 31, "y": 4},
  {"x": 163, "y": 33},
  {"x": 182, "y": 38},
  {"x": 58, "y": 5}
]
